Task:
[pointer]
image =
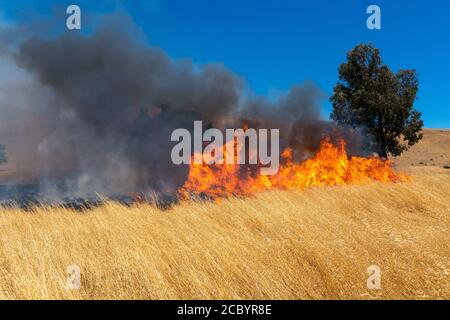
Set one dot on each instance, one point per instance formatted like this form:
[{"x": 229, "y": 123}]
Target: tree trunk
[
  {"x": 383, "y": 148},
  {"x": 382, "y": 153}
]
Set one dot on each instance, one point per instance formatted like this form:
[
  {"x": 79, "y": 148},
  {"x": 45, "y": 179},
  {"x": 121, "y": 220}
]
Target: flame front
[{"x": 330, "y": 166}]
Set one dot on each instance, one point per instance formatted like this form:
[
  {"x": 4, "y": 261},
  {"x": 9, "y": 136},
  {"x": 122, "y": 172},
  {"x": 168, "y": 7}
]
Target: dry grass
[
  {"x": 432, "y": 150},
  {"x": 307, "y": 244},
  {"x": 279, "y": 245}
]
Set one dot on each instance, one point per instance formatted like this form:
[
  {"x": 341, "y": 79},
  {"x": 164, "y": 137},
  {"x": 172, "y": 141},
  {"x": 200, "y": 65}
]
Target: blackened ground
[{"x": 27, "y": 196}]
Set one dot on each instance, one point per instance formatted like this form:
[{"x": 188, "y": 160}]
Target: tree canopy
[{"x": 369, "y": 95}]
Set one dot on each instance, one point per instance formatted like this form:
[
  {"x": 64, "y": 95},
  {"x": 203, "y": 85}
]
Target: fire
[{"x": 329, "y": 167}]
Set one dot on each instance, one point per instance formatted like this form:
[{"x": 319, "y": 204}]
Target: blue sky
[{"x": 276, "y": 44}]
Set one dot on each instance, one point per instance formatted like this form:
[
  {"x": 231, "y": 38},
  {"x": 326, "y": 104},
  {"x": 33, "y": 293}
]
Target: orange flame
[{"x": 330, "y": 166}]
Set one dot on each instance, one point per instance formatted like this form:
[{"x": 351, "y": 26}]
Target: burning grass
[
  {"x": 315, "y": 243},
  {"x": 329, "y": 167}
]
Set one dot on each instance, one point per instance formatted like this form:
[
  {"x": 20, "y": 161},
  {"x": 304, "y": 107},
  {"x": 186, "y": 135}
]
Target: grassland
[
  {"x": 432, "y": 151},
  {"x": 316, "y": 243}
]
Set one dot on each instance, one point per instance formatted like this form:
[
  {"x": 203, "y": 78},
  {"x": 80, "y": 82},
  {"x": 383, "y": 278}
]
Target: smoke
[{"x": 100, "y": 108}]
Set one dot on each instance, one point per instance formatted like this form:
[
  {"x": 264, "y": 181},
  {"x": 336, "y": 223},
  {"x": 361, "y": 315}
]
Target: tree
[
  {"x": 3, "y": 157},
  {"x": 369, "y": 95}
]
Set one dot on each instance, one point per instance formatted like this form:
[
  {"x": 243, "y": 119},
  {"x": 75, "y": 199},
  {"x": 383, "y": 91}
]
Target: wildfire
[{"x": 330, "y": 166}]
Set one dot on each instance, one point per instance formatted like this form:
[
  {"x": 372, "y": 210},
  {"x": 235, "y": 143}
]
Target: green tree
[
  {"x": 3, "y": 157},
  {"x": 369, "y": 95}
]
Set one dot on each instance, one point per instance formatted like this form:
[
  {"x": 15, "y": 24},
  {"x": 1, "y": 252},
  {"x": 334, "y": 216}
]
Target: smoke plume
[{"x": 100, "y": 108}]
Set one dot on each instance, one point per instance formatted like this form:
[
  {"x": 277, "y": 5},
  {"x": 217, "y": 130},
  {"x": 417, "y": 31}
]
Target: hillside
[{"x": 432, "y": 150}]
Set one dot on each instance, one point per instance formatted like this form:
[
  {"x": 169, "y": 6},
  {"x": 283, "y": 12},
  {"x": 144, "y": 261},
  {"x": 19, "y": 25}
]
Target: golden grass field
[{"x": 311, "y": 244}]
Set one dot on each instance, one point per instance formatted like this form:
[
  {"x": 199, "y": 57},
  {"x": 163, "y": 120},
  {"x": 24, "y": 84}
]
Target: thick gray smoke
[
  {"x": 120, "y": 102},
  {"x": 101, "y": 109}
]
